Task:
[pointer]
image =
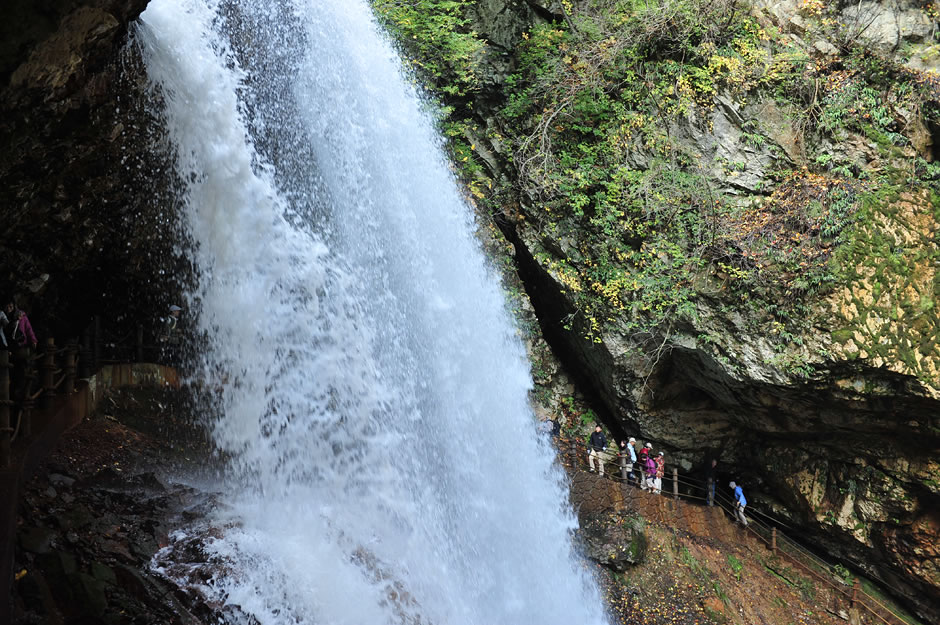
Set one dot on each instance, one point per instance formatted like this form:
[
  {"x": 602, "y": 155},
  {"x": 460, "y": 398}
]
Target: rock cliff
[
  {"x": 89, "y": 228},
  {"x": 726, "y": 217}
]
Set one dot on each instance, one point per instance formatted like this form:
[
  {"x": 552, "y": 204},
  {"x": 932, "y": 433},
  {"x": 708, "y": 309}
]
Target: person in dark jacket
[
  {"x": 598, "y": 445},
  {"x": 711, "y": 477}
]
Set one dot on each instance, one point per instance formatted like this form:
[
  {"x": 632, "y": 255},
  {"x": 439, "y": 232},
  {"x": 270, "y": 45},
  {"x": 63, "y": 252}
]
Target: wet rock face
[
  {"x": 848, "y": 458},
  {"x": 615, "y": 540},
  {"x": 85, "y": 230},
  {"x": 84, "y": 544}
]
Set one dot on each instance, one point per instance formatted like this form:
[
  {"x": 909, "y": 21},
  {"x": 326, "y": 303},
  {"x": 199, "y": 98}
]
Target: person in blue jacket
[
  {"x": 631, "y": 447},
  {"x": 739, "y": 503}
]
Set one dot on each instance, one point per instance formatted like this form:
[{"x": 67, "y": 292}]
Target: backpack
[{"x": 17, "y": 337}]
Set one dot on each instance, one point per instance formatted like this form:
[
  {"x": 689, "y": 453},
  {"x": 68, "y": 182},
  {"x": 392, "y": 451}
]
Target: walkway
[{"x": 680, "y": 509}]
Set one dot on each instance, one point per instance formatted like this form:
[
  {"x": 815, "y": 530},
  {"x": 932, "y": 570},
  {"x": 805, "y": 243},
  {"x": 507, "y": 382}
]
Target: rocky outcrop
[
  {"x": 844, "y": 447},
  {"x": 614, "y": 540}
]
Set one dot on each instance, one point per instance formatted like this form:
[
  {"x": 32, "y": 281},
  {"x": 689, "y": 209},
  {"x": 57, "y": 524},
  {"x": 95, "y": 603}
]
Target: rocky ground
[
  {"x": 100, "y": 507},
  {"x": 689, "y": 580}
]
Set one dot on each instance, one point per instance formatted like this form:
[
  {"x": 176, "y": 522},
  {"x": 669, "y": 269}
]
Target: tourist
[
  {"x": 650, "y": 481},
  {"x": 169, "y": 338},
  {"x": 739, "y": 503},
  {"x": 170, "y": 333},
  {"x": 23, "y": 335},
  {"x": 711, "y": 477},
  {"x": 9, "y": 314},
  {"x": 644, "y": 456},
  {"x": 631, "y": 444},
  {"x": 598, "y": 444},
  {"x": 4, "y": 323},
  {"x": 660, "y": 471}
]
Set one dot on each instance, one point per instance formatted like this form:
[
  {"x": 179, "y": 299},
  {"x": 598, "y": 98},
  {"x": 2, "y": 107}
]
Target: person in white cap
[
  {"x": 631, "y": 449},
  {"x": 170, "y": 323}
]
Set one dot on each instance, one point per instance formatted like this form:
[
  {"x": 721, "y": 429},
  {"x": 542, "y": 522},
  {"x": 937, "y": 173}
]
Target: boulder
[{"x": 616, "y": 540}]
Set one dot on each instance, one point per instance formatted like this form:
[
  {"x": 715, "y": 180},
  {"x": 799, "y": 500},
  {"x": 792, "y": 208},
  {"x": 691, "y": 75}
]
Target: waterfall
[{"x": 383, "y": 461}]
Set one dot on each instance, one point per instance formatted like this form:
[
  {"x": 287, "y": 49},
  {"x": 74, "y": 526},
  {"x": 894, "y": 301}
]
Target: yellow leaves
[{"x": 811, "y": 7}]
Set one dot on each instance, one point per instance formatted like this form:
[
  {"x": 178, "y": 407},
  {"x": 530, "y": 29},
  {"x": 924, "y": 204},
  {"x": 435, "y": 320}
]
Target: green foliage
[
  {"x": 439, "y": 40},
  {"x": 632, "y": 223},
  {"x": 843, "y": 573}
]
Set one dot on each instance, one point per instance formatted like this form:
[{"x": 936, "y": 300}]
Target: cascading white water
[{"x": 385, "y": 462}]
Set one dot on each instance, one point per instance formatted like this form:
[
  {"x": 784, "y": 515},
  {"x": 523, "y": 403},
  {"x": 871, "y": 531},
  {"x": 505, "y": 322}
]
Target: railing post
[
  {"x": 623, "y": 467},
  {"x": 854, "y": 601},
  {"x": 48, "y": 374},
  {"x": 574, "y": 453},
  {"x": 140, "y": 342},
  {"x": 675, "y": 482},
  {"x": 773, "y": 540},
  {"x": 6, "y": 432},
  {"x": 70, "y": 368}
]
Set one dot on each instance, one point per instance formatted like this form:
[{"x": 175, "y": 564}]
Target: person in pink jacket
[
  {"x": 23, "y": 335},
  {"x": 650, "y": 473}
]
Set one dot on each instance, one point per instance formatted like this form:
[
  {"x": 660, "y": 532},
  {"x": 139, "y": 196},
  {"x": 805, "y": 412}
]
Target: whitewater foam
[{"x": 384, "y": 462}]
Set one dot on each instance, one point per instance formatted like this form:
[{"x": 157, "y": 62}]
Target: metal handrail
[{"x": 726, "y": 504}]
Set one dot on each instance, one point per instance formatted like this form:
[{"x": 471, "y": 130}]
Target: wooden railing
[{"x": 57, "y": 369}]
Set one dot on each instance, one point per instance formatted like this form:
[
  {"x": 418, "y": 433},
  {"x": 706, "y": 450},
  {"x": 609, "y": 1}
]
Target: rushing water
[{"x": 384, "y": 462}]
